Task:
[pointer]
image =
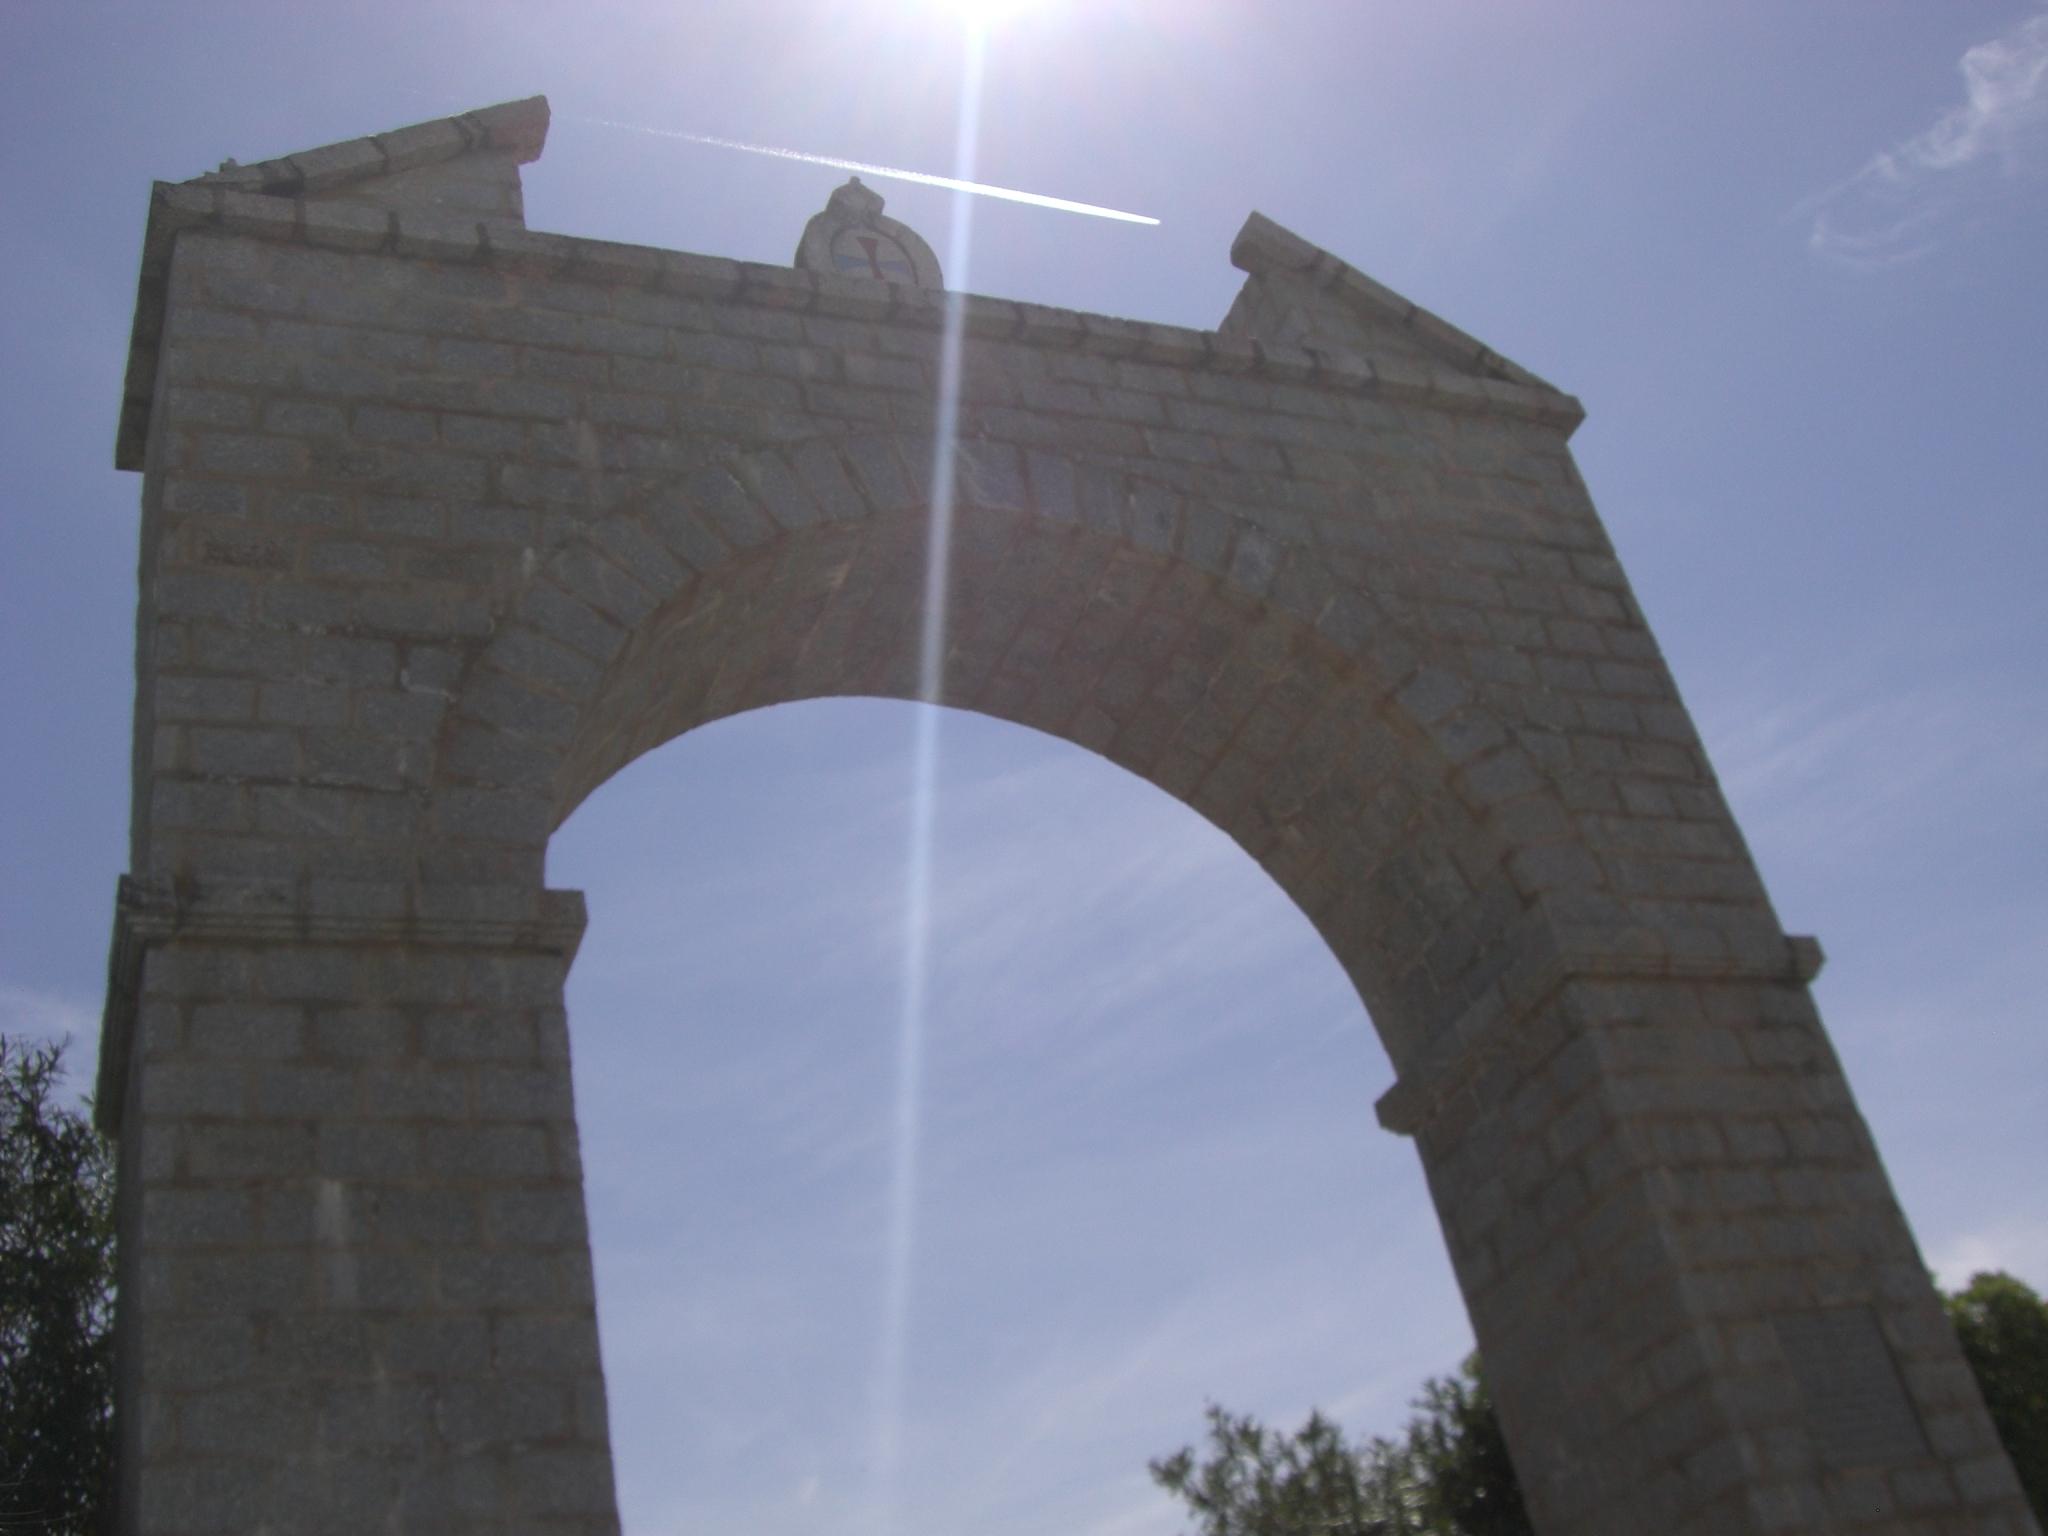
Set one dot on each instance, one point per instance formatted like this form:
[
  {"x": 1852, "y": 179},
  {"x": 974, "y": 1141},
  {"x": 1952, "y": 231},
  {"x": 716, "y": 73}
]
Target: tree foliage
[
  {"x": 56, "y": 1302},
  {"x": 1456, "y": 1457},
  {"x": 1257, "y": 1482},
  {"x": 1449, "y": 1474},
  {"x": 2003, "y": 1328}
]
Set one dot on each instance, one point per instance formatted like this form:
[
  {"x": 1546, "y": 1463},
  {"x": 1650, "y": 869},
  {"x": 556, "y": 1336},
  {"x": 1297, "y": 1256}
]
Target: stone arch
[
  {"x": 675, "y": 609},
  {"x": 436, "y": 509}
]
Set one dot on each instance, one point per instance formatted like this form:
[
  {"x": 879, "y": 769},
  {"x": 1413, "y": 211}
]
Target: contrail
[{"x": 921, "y": 178}]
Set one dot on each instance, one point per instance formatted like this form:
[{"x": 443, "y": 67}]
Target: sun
[{"x": 982, "y": 14}]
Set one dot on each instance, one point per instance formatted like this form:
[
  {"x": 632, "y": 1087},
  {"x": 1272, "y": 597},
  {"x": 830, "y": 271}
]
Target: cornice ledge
[
  {"x": 359, "y": 228},
  {"x": 154, "y": 910},
  {"x": 518, "y": 128}
]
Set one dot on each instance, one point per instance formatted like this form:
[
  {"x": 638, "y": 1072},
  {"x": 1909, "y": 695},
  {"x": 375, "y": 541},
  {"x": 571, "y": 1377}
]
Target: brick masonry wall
[
  {"x": 445, "y": 521},
  {"x": 356, "y": 1290}
]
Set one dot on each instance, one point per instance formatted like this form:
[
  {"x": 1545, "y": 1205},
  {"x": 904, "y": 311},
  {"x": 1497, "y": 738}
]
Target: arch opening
[
  {"x": 1149, "y": 1174},
  {"x": 1236, "y": 704},
  {"x": 1228, "y": 701},
  {"x": 1288, "y": 712}
]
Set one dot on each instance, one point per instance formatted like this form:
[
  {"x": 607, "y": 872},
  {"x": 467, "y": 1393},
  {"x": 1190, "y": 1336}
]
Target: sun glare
[{"x": 982, "y": 14}]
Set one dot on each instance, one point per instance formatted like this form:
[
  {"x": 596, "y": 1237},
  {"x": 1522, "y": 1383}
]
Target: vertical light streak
[{"x": 908, "y": 1123}]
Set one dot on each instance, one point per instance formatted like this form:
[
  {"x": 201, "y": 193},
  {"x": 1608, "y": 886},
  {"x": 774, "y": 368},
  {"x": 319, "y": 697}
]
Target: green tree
[
  {"x": 1257, "y": 1482},
  {"x": 1449, "y": 1474},
  {"x": 1455, "y": 1455},
  {"x": 56, "y": 1302},
  {"x": 2003, "y": 1328}
]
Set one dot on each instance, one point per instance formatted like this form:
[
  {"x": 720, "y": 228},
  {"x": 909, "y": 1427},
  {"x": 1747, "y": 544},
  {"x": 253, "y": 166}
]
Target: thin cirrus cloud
[
  {"x": 1149, "y": 1091},
  {"x": 1871, "y": 773},
  {"x": 1899, "y": 206}
]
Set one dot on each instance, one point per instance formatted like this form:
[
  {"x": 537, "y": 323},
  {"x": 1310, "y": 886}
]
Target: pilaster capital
[
  {"x": 153, "y": 910},
  {"x": 1487, "y": 1029}
]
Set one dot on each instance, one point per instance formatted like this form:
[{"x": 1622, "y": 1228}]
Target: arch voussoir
[
  {"x": 674, "y": 521},
  {"x": 830, "y": 484},
  {"x": 771, "y": 478},
  {"x": 991, "y": 476},
  {"x": 882, "y": 474},
  {"x": 726, "y": 509}
]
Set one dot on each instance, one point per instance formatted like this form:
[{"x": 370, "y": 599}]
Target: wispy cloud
[
  {"x": 1863, "y": 803},
  {"x": 1070, "y": 1425},
  {"x": 1843, "y": 770},
  {"x": 1902, "y": 203},
  {"x": 1150, "y": 1174}
]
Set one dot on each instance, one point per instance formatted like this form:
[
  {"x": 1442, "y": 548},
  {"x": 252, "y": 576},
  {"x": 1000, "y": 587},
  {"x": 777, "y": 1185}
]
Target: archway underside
[{"x": 1251, "y": 718}]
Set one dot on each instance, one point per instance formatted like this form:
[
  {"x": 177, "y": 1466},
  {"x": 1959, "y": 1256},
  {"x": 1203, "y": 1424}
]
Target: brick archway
[{"x": 445, "y": 521}]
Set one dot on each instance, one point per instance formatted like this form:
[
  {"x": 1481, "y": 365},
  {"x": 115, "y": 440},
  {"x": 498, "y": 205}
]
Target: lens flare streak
[{"x": 894, "y": 1339}]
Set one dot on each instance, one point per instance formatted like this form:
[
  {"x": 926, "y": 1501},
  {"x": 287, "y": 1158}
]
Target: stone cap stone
[
  {"x": 513, "y": 132},
  {"x": 515, "y": 128},
  {"x": 1263, "y": 247}
]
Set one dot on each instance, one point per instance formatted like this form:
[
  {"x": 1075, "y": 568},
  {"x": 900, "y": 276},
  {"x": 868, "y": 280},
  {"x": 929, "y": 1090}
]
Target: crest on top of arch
[{"x": 851, "y": 237}]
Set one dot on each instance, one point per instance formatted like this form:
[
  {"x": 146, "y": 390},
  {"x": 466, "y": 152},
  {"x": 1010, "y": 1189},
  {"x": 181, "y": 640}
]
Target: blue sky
[{"x": 1790, "y": 256}]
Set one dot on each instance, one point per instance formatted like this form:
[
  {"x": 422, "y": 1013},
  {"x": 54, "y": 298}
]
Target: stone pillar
[
  {"x": 356, "y": 1288},
  {"x": 1699, "y": 1307}
]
